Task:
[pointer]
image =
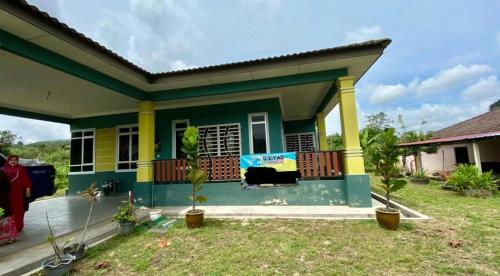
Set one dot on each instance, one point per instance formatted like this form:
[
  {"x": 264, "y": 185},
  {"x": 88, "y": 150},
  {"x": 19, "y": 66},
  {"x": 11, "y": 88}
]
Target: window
[
  {"x": 461, "y": 155},
  {"x": 178, "y": 128},
  {"x": 300, "y": 142},
  {"x": 219, "y": 140},
  {"x": 127, "y": 148},
  {"x": 82, "y": 151},
  {"x": 259, "y": 136}
]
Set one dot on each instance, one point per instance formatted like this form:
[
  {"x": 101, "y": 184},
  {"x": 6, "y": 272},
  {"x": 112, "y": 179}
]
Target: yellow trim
[
  {"x": 146, "y": 141},
  {"x": 105, "y": 149},
  {"x": 353, "y": 154},
  {"x": 320, "y": 121}
]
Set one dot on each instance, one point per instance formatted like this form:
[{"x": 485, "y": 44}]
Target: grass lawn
[{"x": 295, "y": 247}]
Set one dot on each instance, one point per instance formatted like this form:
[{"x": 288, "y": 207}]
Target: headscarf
[{"x": 12, "y": 172}]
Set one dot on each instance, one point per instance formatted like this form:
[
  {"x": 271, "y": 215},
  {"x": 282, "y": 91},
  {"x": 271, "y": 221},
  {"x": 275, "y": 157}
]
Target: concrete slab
[{"x": 66, "y": 215}]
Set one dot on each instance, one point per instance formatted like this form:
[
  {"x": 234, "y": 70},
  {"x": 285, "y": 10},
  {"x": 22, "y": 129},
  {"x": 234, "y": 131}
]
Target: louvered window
[
  {"x": 219, "y": 140},
  {"x": 300, "y": 142}
]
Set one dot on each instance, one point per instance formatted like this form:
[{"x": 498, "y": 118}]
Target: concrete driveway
[{"x": 66, "y": 215}]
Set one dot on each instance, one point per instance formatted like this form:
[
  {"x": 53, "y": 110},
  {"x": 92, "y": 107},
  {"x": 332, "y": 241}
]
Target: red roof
[{"x": 482, "y": 126}]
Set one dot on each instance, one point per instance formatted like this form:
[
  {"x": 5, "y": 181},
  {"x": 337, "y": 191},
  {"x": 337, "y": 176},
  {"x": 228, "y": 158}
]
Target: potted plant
[
  {"x": 385, "y": 156},
  {"x": 467, "y": 179},
  {"x": 420, "y": 177},
  {"x": 197, "y": 176},
  {"x": 78, "y": 249},
  {"x": 60, "y": 263},
  {"x": 126, "y": 218}
]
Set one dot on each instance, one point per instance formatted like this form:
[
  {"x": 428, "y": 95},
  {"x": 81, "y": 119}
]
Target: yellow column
[
  {"x": 353, "y": 154},
  {"x": 146, "y": 141},
  {"x": 320, "y": 120}
]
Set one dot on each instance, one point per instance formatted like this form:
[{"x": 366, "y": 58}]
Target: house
[
  {"x": 473, "y": 141},
  {"x": 126, "y": 123}
]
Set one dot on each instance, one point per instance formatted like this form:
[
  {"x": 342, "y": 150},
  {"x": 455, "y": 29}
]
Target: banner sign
[{"x": 282, "y": 162}]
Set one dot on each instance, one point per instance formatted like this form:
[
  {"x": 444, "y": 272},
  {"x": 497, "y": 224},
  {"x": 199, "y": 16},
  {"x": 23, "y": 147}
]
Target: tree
[
  {"x": 376, "y": 124},
  {"x": 334, "y": 141},
  {"x": 495, "y": 105},
  {"x": 414, "y": 136},
  {"x": 7, "y": 139}
]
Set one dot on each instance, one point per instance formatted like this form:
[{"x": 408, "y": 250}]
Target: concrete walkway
[
  {"x": 280, "y": 211},
  {"x": 66, "y": 215}
]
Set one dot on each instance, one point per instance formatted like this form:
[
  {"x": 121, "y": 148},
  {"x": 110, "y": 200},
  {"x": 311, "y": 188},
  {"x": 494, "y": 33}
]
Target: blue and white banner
[{"x": 282, "y": 162}]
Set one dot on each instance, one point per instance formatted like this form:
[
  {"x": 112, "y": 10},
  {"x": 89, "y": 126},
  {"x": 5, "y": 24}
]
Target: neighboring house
[
  {"x": 127, "y": 123},
  {"x": 473, "y": 141}
]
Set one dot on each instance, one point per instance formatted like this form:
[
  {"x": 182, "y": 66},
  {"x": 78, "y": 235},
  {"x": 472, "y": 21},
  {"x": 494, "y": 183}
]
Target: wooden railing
[
  {"x": 319, "y": 164},
  {"x": 175, "y": 170},
  {"x": 311, "y": 165}
]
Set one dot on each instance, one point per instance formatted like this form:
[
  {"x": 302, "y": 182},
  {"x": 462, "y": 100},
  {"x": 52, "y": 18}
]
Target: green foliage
[
  {"x": 420, "y": 174},
  {"x": 467, "y": 176},
  {"x": 384, "y": 157},
  {"x": 2, "y": 211},
  {"x": 55, "y": 153},
  {"x": 126, "y": 213},
  {"x": 334, "y": 141},
  {"x": 7, "y": 139},
  {"x": 195, "y": 175}
]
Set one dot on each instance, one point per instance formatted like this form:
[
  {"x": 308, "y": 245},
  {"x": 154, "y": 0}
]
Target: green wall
[
  {"x": 221, "y": 114},
  {"x": 312, "y": 192},
  {"x": 79, "y": 182},
  {"x": 299, "y": 126}
]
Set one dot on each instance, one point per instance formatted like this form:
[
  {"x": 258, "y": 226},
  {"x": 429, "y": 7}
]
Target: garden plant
[
  {"x": 385, "y": 156},
  {"x": 197, "y": 176},
  {"x": 467, "y": 179}
]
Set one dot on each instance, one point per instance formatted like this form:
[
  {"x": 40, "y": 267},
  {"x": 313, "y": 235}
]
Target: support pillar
[
  {"x": 477, "y": 156},
  {"x": 353, "y": 154},
  {"x": 357, "y": 182},
  {"x": 144, "y": 186},
  {"x": 320, "y": 121}
]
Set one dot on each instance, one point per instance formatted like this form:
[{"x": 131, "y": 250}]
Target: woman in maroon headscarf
[
  {"x": 8, "y": 231},
  {"x": 20, "y": 187}
]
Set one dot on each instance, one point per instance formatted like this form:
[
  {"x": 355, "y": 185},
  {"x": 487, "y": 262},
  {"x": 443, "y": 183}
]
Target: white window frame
[
  {"x": 93, "y": 151},
  {"x": 174, "y": 130},
  {"x": 117, "y": 155},
  {"x": 266, "y": 128},
  {"x": 315, "y": 142},
  {"x": 218, "y": 135}
]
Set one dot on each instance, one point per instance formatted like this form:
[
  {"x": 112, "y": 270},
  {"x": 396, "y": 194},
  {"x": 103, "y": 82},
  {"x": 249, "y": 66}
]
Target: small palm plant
[
  {"x": 385, "y": 155},
  {"x": 195, "y": 175}
]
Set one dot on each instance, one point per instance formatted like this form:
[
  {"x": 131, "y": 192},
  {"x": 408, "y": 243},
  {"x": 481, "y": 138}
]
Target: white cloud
[
  {"x": 452, "y": 78},
  {"x": 153, "y": 34},
  {"x": 387, "y": 93},
  {"x": 363, "y": 34},
  {"x": 485, "y": 88},
  {"x": 34, "y": 130},
  {"x": 180, "y": 65}
]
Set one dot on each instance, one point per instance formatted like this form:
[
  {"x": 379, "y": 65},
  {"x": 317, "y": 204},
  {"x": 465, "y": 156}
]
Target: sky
[{"x": 442, "y": 67}]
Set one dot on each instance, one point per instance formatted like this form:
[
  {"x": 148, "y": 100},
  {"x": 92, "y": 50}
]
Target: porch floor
[{"x": 281, "y": 211}]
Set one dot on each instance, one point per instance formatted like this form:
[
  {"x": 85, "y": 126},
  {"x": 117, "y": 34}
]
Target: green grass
[{"x": 295, "y": 247}]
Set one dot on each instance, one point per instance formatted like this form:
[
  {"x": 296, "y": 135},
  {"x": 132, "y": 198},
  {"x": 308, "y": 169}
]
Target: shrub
[
  {"x": 468, "y": 177},
  {"x": 125, "y": 213},
  {"x": 420, "y": 174}
]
